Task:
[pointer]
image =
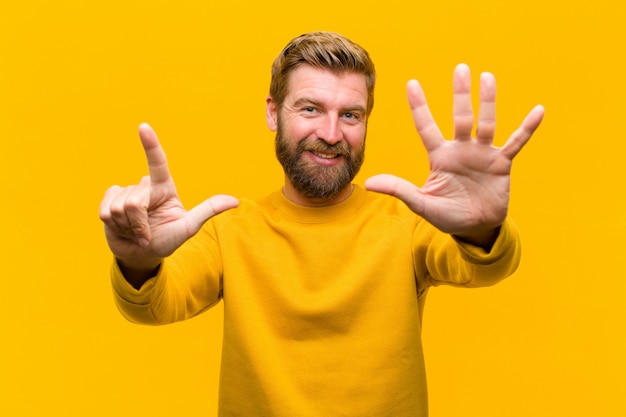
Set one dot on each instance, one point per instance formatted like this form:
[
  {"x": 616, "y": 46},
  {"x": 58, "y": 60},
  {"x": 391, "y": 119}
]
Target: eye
[{"x": 352, "y": 117}]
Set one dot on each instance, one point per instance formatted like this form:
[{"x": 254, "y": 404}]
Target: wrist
[
  {"x": 483, "y": 239},
  {"x": 137, "y": 272}
]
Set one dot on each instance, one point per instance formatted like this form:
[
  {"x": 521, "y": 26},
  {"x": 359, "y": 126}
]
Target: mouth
[
  {"x": 325, "y": 155},
  {"x": 324, "y": 159}
]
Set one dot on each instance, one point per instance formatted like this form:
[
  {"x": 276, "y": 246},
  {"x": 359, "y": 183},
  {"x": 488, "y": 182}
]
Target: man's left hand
[{"x": 467, "y": 191}]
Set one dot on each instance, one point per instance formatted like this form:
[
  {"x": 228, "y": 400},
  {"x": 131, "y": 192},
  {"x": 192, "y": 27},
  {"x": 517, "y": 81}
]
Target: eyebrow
[{"x": 307, "y": 100}]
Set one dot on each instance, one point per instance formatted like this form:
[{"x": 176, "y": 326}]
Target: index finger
[{"x": 157, "y": 161}]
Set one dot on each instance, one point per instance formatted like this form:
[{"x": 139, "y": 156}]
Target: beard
[{"x": 313, "y": 181}]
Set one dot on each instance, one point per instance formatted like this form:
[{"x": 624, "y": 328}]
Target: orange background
[{"x": 77, "y": 77}]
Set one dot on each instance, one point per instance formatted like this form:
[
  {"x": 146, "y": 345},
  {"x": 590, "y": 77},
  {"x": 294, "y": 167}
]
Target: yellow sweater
[{"x": 322, "y": 306}]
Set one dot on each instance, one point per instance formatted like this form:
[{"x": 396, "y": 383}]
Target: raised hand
[
  {"x": 146, "y": 222},
  {"x": 467, "y": 191}
]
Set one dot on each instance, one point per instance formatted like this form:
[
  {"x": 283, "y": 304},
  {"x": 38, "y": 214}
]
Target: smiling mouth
[{"x": 325, "y": 155}]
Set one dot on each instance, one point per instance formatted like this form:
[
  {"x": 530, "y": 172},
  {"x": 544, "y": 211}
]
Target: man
[{"x": 323, "y": 282}]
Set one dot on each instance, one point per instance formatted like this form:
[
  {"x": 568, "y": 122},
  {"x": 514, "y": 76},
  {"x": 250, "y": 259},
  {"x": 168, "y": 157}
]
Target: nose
[{"x": 329, "y": 130}]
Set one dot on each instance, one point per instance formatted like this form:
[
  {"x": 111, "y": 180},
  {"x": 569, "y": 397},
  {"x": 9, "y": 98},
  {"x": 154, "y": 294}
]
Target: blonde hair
[{"x": 326, "y": 50}]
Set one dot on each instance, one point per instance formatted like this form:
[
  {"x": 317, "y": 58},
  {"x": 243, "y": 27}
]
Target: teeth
[{"x": 325, "y": 156}]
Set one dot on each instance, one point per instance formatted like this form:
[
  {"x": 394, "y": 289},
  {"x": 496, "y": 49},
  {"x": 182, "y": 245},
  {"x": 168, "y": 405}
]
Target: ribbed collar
[{"x": 327, "y": 214}]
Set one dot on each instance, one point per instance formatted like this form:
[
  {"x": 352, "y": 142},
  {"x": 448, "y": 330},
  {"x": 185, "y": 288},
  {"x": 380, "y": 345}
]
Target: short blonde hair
[{"x": 326, "y": 50}]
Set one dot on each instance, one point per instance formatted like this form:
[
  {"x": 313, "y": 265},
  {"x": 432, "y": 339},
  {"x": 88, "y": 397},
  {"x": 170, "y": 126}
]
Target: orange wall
[{"x": 77, "y": 77}]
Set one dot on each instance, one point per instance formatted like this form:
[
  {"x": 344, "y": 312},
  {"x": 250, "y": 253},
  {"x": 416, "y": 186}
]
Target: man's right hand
[{"x": 146, "y": 222}]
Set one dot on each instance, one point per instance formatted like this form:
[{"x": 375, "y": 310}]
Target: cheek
[
  {"x": 301, "y": 130},
  {"x": 356, "y": 138}
]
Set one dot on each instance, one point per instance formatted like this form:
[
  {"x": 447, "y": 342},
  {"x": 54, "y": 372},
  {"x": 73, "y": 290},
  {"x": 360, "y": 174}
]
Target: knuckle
[
  {"x": 105, "y": 214},
  {"x": 117, "y": 208},
  {"x": 138, "y": 228},
  {"x": 132, "y": 203}
]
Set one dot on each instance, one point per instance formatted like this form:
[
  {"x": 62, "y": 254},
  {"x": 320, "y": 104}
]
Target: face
[{"x": 320, "y": 134}]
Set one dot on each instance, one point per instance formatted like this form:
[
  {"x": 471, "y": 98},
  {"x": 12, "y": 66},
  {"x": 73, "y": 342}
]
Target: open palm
[{"x": 467, "y": 191}]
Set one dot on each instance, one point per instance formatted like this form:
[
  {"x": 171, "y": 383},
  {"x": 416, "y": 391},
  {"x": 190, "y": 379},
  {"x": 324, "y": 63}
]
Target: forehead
[{"x": 306, "y": 81}]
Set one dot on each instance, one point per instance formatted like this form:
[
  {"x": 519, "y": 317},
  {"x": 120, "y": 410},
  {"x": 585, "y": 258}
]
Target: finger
[
  {"x": 463, "y": 114},
  {"x": 105, "y": 204},
  {"x": 157, "y": 161},
  {"x": 217, "y": 204},
  {"x": 522, "y": 135},
  {"x": 487, "y": 113},
  {"x": 422, "y": 117},
  {"x": 117, "y": 208},
  {"x": 399, "y": 188},
  {"x": 136, "y": 208}
]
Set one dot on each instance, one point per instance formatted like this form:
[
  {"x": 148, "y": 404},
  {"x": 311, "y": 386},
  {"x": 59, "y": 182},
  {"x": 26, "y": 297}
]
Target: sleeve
[
  {"x": 187, "y": 283},
  {"x": 452, "y": 262}
]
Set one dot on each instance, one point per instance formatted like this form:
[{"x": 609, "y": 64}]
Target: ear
[{"x": 271, "y": 114}]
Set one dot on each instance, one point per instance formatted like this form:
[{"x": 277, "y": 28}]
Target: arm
[
  {"x": 145, "y": 223},
  {"x": 186, "y": 283},
  {"x": 467, "y": 191},
  {"x": 445, "y": 260}
]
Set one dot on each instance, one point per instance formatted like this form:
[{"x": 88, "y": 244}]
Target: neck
[{"x": 296, "y": 196}]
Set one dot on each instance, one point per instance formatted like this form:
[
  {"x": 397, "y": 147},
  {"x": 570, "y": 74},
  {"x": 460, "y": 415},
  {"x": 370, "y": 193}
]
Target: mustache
[{"x": 322, "y": 146}]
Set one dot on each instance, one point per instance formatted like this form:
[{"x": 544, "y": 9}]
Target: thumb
[
  {"x": 397, "y": 187},
  {"x": 209, "y": 208}
]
